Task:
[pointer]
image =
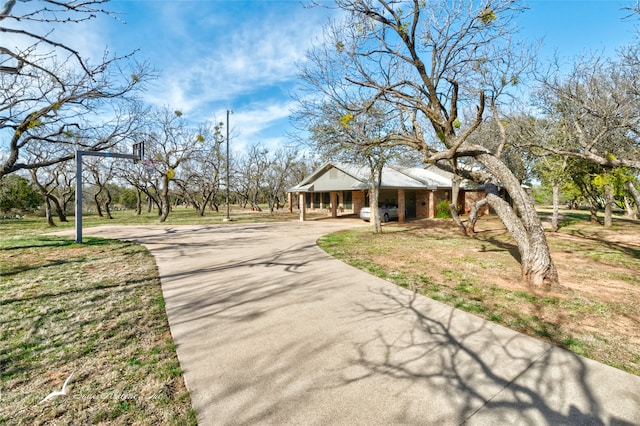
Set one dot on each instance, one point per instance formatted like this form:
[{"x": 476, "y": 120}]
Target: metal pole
[
  {"x": 78, "y": 197},
  {"x": 79, "y": 155},
  {"x": 226, "y": 219}
]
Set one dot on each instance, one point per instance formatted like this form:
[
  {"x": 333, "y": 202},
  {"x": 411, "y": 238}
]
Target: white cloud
[
  {"x": 248, "y": 126},
  {"x": 246, "y": 62},
  {"x": 242, "y": 57}
]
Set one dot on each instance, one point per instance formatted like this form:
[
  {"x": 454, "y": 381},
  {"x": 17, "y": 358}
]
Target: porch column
[
  {"x": 401, "y": 206},
  {"x": 290, "y": 201},
  {"x": 303, "y": 206},
  {"x": 432, "y": 204},
  {"x": 333, "y": 197}
]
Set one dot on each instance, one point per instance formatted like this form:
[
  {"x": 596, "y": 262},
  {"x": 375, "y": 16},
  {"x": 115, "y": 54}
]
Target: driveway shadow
[{"x": 477, "y": 372}]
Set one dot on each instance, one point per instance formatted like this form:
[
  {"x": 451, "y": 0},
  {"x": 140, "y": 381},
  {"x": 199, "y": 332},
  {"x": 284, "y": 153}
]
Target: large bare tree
[
  {"x": 50, "y": 94},
  {"x": 170, "y": 142},
  {"x": 443, "y": 66}
]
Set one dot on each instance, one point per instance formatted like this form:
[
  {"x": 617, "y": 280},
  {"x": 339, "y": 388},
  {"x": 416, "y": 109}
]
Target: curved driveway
[{"x": 271, "y": 330}]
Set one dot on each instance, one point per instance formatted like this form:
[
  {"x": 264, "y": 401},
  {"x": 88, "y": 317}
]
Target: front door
[{"x": 410, "y": 204}]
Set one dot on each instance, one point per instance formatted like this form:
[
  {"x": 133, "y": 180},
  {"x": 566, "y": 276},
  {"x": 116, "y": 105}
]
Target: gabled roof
[{"x": 393, "y": 177}]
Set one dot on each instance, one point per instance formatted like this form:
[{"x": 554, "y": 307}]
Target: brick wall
[
  {"x": 358, "y": 201},
  {"x": 423, "y": 204}
]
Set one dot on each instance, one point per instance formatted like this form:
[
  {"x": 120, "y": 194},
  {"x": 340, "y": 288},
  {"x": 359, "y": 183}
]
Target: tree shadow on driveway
[{"x": 464, "y": 370}]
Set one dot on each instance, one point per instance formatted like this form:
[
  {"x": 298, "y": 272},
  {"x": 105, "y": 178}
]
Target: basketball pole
[{"x": 79, "y": 155}]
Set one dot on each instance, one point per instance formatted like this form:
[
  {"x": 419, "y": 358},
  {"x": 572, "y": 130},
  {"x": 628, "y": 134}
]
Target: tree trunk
[
  {"x": 469, "y": 228},
  {"x": 609, "y": 201},
  {"x": 138, "y": 202},
  {"x": 630, "y": 213},
  {"x": 526, "y": 229},
  {"x": 66, "y": 199},
  {"x": 374, "y": 213},
  {"x": 453, "y": 208},
  {"x": 593, "y": 210},
  {"x": 556, "y": 204},
  {"x": 164, "y": 201},
  {"x": 48, "y": 213},
  {"x": 474, "y": 215},
  {"x": 96, "y": 199},
  {"x": 635, "y": 194},
  {"x": 205, "y": 202},
  {"x": 107, "y": 204},
  {"x": 62, "y": 217}
]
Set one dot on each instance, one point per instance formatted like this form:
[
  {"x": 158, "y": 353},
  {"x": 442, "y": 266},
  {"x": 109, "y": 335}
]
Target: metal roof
[{"x": 393, "y": 177}]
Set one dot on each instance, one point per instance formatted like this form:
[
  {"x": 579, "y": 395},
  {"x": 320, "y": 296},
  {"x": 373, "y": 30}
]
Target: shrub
[
  {"x": 17, "y": 193},
  {"x": 442, "y": 209}
]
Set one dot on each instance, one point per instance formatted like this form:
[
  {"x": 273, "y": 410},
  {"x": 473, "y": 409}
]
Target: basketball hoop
[{"x": 138, "y": 151}]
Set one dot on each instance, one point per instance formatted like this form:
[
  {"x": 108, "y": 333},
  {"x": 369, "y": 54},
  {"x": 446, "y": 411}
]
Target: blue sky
[
  {"x": 214, "y": 55},
  {"x": 572, "y": 27}
]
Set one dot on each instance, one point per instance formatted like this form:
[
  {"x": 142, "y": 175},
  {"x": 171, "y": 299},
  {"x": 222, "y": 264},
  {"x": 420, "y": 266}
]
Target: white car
[{"x": 387, "y": 212}]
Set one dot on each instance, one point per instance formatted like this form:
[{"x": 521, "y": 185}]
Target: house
[{"x": 343, "y": 189}]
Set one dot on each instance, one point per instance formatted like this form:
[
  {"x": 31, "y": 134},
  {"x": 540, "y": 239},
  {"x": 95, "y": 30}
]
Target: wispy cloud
[
  {"x": 236, "y": 56},
  {"x": 250, "y": 126},
  {"x": 211, "y": 56}
]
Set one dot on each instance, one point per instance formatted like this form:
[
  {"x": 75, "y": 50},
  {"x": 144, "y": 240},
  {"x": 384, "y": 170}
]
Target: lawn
[
  {"x": 94, "y": 312},
  {"x": 594, "y": 312}
]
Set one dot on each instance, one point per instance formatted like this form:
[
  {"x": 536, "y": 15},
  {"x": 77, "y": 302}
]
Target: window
[
  {"x": 307, "y": 199},
  {"x": 348, "y": 200},
  {"x": 326, "y": 200}
]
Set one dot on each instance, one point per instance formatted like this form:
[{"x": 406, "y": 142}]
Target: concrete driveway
[{"x": 271, "y": 330}]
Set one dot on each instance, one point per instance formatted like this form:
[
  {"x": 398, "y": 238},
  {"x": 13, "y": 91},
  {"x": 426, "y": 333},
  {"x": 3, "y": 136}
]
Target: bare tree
[
  {"x": 597, "y": 104},
  {"x": 250, "y": 176},
  {"x": 50, "y": 95},
  {"x": 54, "y": 181},
  {"x": 170, "y": 142},
  {"x": 430, "y": 62},
  {"x": 278, "y": 176},
  {"x": 550, "y": 169},
  {"x": 200, "y": 177},
  {"x": 56, "y": 185},
  {"x": 102, "y": 174}
]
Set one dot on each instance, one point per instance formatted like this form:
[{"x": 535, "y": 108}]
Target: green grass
[
  {"x": 178, "y": 216},
  {"x": 64, "y": 309}
]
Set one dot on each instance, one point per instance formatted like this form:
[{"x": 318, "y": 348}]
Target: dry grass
[
  {"x": 594, "y": 312},
  {"x": 96, "y": 311}
]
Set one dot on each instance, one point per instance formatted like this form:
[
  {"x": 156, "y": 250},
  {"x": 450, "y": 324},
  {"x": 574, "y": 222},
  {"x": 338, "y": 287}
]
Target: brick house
[{"x": 341, "y": 189}]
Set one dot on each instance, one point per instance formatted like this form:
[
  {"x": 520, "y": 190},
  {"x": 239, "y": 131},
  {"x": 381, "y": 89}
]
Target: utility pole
[{"x": 227, "y": 218}]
